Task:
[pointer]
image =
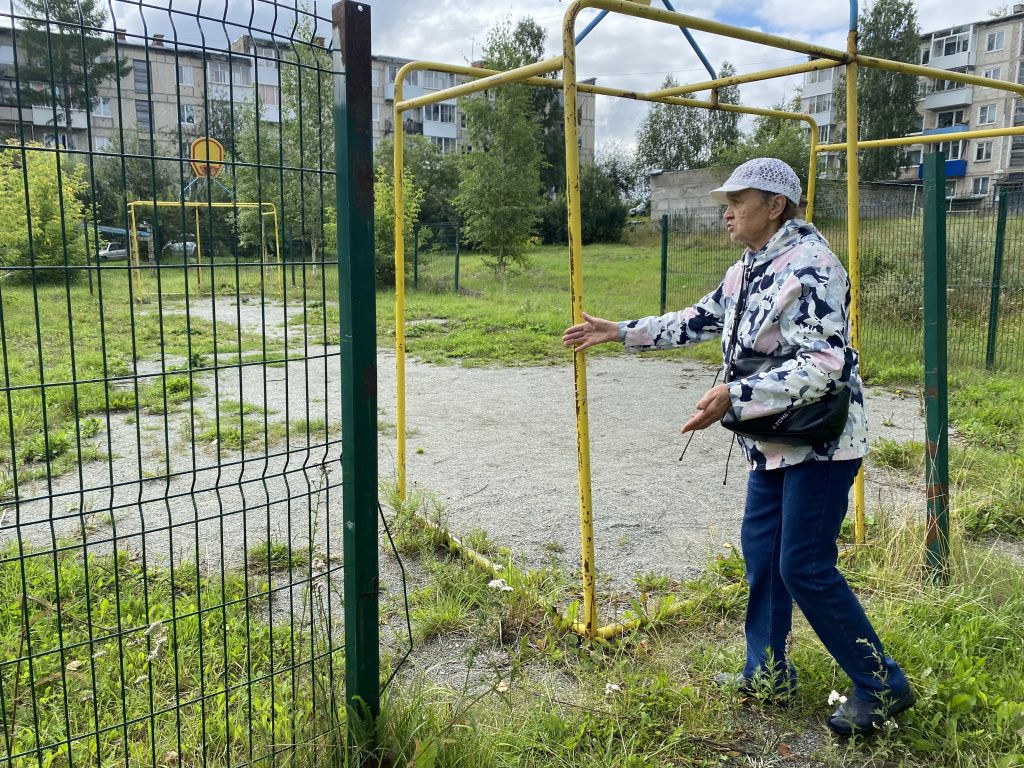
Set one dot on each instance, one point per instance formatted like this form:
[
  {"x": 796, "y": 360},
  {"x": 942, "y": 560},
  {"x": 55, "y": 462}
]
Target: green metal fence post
[
  {"x": 456, "y": 258},
  {"x": 357, "y": 303},
  {"x": 664, "y": 261},
  {"x": 997, "y": 277},
  {"x": 416, "y": 255},
  {"x": 935, "y": 383}
]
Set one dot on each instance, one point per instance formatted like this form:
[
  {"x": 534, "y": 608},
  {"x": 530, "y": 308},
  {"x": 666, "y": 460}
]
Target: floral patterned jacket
[{"x": 797, "y": 307}]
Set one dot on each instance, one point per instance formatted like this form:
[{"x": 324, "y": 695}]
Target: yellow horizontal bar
[
  {"x": 938, "y": 74},
  {"x": 193, "y": 204},
  {"x": 621, "y": 627},
  {"x": 502, "y": 78},
  {"x": 931, "y": 138},
  {"x": 752, "y": 77},
  {"x": 600, "y": 90},
  {"x": 693, "y": 22}
]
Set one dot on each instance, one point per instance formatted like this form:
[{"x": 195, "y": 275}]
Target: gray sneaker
[{"x": 857, "y": 715}]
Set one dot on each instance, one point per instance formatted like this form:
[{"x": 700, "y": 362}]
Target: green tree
[
  {"x": 675, "y": 138},
  {"x": 887, "y": 29},
  {"x": 618, "y": 161},
  {"x": 773, "y": 137},
  {"x": 602, "y": 211},
  {"x": 436, "y": 173},
  {"x": 63, "y": 50},
  {"x": 499, "y": 196},
  {"x": 384, "y": 221},
  {"x": 47, "y": 228}
]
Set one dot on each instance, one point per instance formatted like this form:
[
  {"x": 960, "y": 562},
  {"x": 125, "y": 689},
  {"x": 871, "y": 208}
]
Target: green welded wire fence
[
  {"x": 436, "y": 256},
  {"x": 981, "y": 330},
  {"x": 170, "y": 482}
]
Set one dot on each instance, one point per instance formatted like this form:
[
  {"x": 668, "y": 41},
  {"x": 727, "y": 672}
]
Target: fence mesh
[
  {"x": 892, "y": 278},
  {"x": 170, "y": 557},
  {"x": 437, "y": 256}
]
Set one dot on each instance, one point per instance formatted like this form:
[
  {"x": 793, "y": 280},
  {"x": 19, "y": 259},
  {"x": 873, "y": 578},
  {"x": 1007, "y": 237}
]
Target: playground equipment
[
  {"x": 134, "y": 252},
  {"x": 822, "y": 58}
]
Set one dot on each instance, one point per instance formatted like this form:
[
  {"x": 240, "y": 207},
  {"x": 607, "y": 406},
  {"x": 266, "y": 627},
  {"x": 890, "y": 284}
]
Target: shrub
[{"x": 45, "y": 229}]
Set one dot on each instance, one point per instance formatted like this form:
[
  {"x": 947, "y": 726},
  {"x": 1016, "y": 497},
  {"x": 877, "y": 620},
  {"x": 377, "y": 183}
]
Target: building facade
[
  {"x": 443, "y": 123},
  {"x": 994, "y": 49},
  {"x": 162, "y": 99}
]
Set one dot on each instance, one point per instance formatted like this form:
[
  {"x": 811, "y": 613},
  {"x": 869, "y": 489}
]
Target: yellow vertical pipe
[
  {"x": 812, "y": 174},
  {"x": 399, "y": 160},
  {"x": 572, "y": 177},
  {"x": 134, "y": 255},
  {"x": 199, "y": 255},
  {"x": 853, "y": 239}
]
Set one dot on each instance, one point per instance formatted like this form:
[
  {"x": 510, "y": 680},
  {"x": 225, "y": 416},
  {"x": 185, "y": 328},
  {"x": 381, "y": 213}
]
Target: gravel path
[{"x": 497, "y": 445}]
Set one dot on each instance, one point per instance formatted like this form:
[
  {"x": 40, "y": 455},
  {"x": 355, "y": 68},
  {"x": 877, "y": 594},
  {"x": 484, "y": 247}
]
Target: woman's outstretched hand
[{"x": 593, "y": 330}]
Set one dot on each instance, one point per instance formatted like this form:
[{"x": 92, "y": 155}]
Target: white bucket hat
[{"x": 765, "y": 173}]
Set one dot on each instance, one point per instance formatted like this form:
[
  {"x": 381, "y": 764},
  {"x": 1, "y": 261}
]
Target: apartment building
[
  {"x": 162, "y": 96},
  {"x": 993, "y": 48},
  {"x": 443, "y": 123}
]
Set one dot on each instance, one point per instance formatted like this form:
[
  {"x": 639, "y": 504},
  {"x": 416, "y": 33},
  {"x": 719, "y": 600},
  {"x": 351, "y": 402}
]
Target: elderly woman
[{"x": 788, "y": 298}]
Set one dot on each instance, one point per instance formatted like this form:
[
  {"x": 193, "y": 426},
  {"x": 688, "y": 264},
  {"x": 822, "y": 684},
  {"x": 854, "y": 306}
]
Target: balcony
[
  {"x": 955, "y": 169},
  {"x": 408, "y": 91},
  {"x": 956, "y": 128},
  {"x": 44, "y": 116},
  {"x": 957, "y": 97},
  {"x": 962, "y": 59}
]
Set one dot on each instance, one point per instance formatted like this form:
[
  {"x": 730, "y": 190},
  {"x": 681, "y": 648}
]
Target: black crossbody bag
[{"x": 810, "y": 424}]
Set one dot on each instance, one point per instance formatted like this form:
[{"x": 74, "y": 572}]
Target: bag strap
[{"x": 741, "y": 301}]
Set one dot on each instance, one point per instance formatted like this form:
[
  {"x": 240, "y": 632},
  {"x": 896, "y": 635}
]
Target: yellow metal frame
[
  {"x": 823, "y": 58},
  {"x": 265, "y": 209}
]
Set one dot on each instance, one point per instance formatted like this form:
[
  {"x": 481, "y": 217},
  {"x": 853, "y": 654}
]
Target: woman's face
[{"x": 751, "y": 218}]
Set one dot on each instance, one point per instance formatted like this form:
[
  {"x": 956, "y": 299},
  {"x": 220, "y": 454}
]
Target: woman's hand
[
  {"x": 710, "y": 408},
  {"x": 593, "y": 330}
]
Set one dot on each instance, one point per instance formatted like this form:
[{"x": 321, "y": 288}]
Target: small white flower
[
  {"x": 499, "y": 584},
  {"x": 836, "y": 697},
  {"x": 611, "y": 688}
]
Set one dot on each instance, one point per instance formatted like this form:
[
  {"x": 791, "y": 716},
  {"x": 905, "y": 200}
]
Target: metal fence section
[
  {"x": 436, "y": 256},
  {"x": 985, "y": 275},
  {"x": 170, "y": 481}
]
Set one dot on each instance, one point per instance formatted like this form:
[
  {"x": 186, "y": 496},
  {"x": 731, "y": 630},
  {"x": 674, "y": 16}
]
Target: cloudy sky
[{"x": 633, "y": 53}]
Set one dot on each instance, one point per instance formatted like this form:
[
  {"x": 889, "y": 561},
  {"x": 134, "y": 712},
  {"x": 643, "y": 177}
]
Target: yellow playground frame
[
  {"x": 265, "y": 209},
  {"x": 824, "y": 58}
]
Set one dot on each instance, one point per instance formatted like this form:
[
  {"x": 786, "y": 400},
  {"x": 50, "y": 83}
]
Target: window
[
  {"x": 949, "y": 119},
  {"x": 436, "y": 81},
  {"x": 949, "y": 85},
  {"x": 983, "y": 151},
  {"x": 994, "y": 41},
  {"x": 103, "y": 144},
  {"x": 375, "y": 77},
  {"x": 447, "y": 145},
  {"x": 992, "y": 74},
  {"x": 50, "y": 140},
  {"x": 822, "y": 103},
  {"x": 439, "y": 113},
  {"x": 8, "y": 92},
  {"x": 950, "y": 190},
  {"x": 185, "y": 75},
  {"x": 820, "y": 76},
  {"x": 979, "y": 185},
  {"x": 926, "y": 54},
  {"x": 242, "y": 74},
  {"x": 913, "y": 157},
  {"x": 143, "y": 115},
  {"x": 6, "y": 54},
  {"x": 268, "y": 95},
  {"x": 267, "y": 56},
  {"x": 218, "y": 72},
  {"x": 824, "y": 134},
  {"x": 987, "y": 114},
  {"x": 954, "y": 150},
  {"x": 140, "y": 69},
  {"x": 411, "y": 79},
  {"x": 951, "y": 44},
  {"x": 376, "y": 112},
  {"x": 104, "y": 108},
  {"x": 187, "y": 114}
]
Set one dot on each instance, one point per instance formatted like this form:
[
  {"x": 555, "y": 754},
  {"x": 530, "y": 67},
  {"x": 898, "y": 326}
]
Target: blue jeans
[{"x": 789, "y": 531}]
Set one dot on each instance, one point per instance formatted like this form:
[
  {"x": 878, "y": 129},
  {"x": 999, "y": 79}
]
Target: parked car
[
  {"x": 639, "y": 210},
  {"x": 112, "y": 251},
  {"x": 180, "y": 249}
]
